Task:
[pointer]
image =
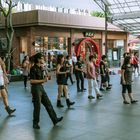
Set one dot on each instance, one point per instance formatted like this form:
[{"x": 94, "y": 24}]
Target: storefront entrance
[{"x": 86, "y": 47}]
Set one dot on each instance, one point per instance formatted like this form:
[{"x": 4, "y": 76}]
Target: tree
[
  {"x": 97, "y": 14},
  {"x": 7, "y": 13}
]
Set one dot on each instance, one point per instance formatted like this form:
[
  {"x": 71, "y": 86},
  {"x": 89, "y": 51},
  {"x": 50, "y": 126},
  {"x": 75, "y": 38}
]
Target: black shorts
[
  {"x": 2, "y": 87},
  {"x": 103, "y": 78},
  {"x": 135, "y": 66},
  {"x": 126, "y": 87},
  {"x": 62, "y": 81}
]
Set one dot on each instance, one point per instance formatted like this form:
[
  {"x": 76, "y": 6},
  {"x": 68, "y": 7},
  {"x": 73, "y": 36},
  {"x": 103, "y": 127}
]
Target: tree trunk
[
  {"x": 8, "y": 27},
  {"x": 9, "y": 37},
  {"x": 9, "y": 45}
]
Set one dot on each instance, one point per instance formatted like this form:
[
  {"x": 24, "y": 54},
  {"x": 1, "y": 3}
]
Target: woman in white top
[{"x": 3, "y": 89}]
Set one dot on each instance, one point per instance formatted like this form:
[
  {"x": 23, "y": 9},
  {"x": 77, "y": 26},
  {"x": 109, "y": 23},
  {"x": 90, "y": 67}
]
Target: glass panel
[
  {"x": 41, "y": 44},
  {"x": 57, "y": 45}
]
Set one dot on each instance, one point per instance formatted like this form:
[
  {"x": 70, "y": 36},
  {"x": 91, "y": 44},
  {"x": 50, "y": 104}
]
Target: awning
[{"x": 123, "y": 13}]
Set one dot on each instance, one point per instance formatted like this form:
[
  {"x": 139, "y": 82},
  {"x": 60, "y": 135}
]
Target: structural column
[
  {"x": 126, "y": 49},
  {"x": 31, "y": 39},
  {"x": 70, "y": 41},
  {"x": 103, "y": 44},
  {"x": 106, "y": 19}
]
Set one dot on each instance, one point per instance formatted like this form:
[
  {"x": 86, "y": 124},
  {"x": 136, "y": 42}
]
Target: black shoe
[
  {"x": 125, "y": 102},
  {"x": 99, "y": 96},
  {"x": 58, "y": 120},
  {"x": 102, "y": 89},
  {"x": 134, "y": 101},
  {"x": 69, "y": 103},
  {"x": 36, "y": 126},
  {"x": 9, "y": 110},
  {"x": 59, "y": 104},
  {"x": 108, "y": 88},
  {"x": 91, "y": 97},
  {"x": 110, "y": 85}
]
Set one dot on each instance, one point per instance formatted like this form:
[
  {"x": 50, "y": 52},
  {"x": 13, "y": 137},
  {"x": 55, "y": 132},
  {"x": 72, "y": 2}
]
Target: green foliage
[
  {"x": 6, "y": 10},
  {"x": 97, "y": 14}
]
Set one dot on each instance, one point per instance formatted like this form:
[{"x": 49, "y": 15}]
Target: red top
[
  {"x": 90, "y": 70},
  {"x": 135, "y": 60}
]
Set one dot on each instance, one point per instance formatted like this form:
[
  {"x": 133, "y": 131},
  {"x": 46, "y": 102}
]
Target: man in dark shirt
[
  {"x": 39, "y": 95},
  {"x": 103, "y": 72},
  {"x": 79, "y": 73}
]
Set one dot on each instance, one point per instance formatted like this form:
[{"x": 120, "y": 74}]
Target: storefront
[{"x": 54, "y": 33}]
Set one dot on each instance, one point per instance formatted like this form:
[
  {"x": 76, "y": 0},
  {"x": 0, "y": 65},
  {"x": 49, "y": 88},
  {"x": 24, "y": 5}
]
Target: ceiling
[{"x": 123, "y": 13}]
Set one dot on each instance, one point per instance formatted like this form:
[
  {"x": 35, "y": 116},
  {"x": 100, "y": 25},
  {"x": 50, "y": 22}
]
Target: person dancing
[
  {"x": 39, "y": 95},
  {"x": 91, "y": 76},
  {"x": 61, "y": 75},
  {"x": 3, "y": 90},
  {"x": 26, "y": 69},
  {"x": 126, "y": 80},
  {"x": 79, "y": 73}
]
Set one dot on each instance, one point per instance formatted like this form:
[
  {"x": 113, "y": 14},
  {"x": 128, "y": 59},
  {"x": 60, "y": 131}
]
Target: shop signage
[{"x": 89, "y": 34}]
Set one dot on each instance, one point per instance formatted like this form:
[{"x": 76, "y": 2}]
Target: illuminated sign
[{"x": 89, "y": 34}]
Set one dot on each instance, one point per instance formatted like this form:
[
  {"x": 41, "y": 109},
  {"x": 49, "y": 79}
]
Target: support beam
[
  {"x": 133, "y": 15},
  {"x": 106, "y": 46},
  {"x": 102, "y": 3}
]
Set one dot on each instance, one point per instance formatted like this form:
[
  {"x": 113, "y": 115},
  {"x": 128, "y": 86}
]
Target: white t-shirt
[
  {"x": 1, "y": 78},
  {"x": 74, "y": 59},
  {"x": 70, "y": 61}
]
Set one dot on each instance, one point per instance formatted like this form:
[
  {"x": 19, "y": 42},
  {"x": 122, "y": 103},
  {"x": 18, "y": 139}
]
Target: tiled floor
[{"x": 106, "y": 119}]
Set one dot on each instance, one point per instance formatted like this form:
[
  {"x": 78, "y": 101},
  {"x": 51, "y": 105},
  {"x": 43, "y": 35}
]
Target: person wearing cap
[{"x": 37, "y": 79}]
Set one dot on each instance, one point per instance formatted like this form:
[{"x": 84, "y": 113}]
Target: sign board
[{"x": 89, "y": 34}]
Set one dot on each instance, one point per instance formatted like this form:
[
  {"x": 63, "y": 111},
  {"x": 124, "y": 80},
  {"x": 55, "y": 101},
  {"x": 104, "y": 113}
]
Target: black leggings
[
  {"x": 25, "y": 80},
  {"x": 69, "y": 75},
  {"x": 79, "y": 78}
]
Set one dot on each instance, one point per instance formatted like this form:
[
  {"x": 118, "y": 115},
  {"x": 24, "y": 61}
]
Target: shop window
[
  {"x": 23, "y": 44},
  {"x": 52, "y": 45},
  {"x": 41, "y": 44},
  {"x": 57, "y": 45}
]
